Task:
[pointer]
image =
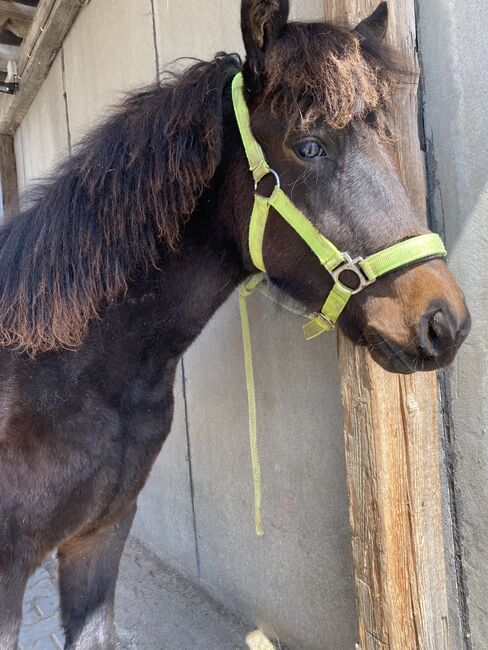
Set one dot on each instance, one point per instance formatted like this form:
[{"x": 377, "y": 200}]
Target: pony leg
[
  {"x": 13, "y": 580},
  {"x": 88, "y": 569}
]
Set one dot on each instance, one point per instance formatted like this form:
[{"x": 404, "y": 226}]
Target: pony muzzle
[{"x": 417, "y": 320}]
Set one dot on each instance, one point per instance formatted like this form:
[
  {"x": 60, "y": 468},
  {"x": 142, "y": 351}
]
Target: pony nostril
[
  {"x": 437, "y": 334},
  {"x": 434, "y": 330}
]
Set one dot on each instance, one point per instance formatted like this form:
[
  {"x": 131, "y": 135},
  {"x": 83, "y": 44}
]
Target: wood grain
[
  {"x": 16, "y": 17},
  {"x": 391, "y": 435},
  {"x": 51, "y": 23},
  {"x": 9, "y": 53},
  {"x": 8, "y": 177},
  {"x": 391, "y": 426}
]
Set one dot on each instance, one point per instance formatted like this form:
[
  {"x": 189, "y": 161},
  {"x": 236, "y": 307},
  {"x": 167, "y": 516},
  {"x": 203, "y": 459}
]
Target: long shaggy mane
[{"x": 129, "y": 187}]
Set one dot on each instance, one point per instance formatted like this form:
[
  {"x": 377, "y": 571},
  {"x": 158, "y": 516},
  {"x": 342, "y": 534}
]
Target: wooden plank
[
  {"x": 9, "y": 196},
  {"x": 391, "y": 436},
  {"x": 16, "y": 17},
  {"x": 9, "y": 53},
  {"x": 51, "y": 23},
  {"x": 392, "y": 456},
  {"x": 10, "y": 9}
]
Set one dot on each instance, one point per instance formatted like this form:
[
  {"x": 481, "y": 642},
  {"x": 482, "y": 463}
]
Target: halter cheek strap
[{"x": 336, "y": 262}]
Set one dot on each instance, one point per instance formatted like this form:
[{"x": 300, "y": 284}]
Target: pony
[{"x": 121, "y": 257}]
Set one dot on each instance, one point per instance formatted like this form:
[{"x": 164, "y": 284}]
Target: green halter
[{"x": 366, "y": 270}]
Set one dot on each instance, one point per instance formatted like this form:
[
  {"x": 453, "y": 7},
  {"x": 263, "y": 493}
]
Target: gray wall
[
  {"x": 196, "y": 510},
  {"x": 455, "y": 63}
]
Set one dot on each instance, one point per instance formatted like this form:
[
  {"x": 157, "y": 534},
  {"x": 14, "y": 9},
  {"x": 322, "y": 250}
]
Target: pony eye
[
  {"x": 371, "y": 118},
  {"x": 310, "y": 149}
]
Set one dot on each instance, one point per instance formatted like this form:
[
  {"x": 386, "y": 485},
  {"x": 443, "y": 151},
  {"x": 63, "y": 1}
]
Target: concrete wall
[
  {"x": 196, "y": 510},
  {"x": 454, "y": 58},
  {"x": 42, "y": 138}
]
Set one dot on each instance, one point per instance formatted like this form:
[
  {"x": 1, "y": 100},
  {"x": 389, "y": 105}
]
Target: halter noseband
[{"x": 366, "y": 270}]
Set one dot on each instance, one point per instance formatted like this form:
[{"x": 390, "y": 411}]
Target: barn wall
[
  {"x": 42, "y": 137},
  {"x": 453, "y": 47},
  {"x": 196, "y": 510}
]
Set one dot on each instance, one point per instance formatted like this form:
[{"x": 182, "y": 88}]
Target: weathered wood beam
[
  {"x": 9, "y": 196},
  {"x": 9, "y": 53},
  {"x": 17, "y": 17},
  {"x": 392, "y": 456},
  {"x": 51, "y": 23},
  {"x": 391, "y": 436}
]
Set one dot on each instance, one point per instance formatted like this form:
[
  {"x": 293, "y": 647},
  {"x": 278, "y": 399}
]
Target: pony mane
[
  {"x": 129, "y": 187},
  {"x": 333, "y": 75}
]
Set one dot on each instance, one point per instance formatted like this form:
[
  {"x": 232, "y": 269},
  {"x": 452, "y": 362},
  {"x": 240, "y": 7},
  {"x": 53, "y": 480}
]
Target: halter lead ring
[
  {"x": 276, "y": 177},
  {"x": 366, "y": 270}
]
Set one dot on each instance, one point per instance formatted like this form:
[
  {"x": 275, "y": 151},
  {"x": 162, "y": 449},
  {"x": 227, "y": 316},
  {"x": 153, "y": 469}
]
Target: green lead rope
[{"x": 245, "y": 291}]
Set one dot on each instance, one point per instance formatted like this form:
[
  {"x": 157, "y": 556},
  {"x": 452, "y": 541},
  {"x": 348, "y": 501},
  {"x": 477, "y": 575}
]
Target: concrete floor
[{"x": 156, "y": 609}]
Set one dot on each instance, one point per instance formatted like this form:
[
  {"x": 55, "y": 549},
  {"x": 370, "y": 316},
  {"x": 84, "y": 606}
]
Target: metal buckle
[
  {"x": 325, "y": 319},
  {"x": 353, "y": 265}
]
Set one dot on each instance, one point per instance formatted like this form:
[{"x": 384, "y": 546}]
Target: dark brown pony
[{"x": 123, "y": 256}]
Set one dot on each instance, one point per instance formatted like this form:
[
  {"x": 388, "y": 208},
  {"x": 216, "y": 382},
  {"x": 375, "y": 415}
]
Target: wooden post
[
  {"x": 9, "y": 197},
  {"x": 391, "y": 435}
]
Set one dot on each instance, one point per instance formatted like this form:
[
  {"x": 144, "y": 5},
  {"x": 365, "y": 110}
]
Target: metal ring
[{"x": 276, "y": 177}]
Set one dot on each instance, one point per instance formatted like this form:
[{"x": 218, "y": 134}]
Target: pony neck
[{"x": 134, "y": 187}]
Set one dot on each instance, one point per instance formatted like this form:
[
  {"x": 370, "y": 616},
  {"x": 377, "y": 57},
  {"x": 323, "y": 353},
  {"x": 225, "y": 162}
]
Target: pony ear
[
  {"x": 262, "y": 22},
  {"x": 376, "y": 24}
]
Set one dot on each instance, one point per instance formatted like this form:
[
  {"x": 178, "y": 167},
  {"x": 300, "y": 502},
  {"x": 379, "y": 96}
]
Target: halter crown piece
[{"x": 366, "y": 270}]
